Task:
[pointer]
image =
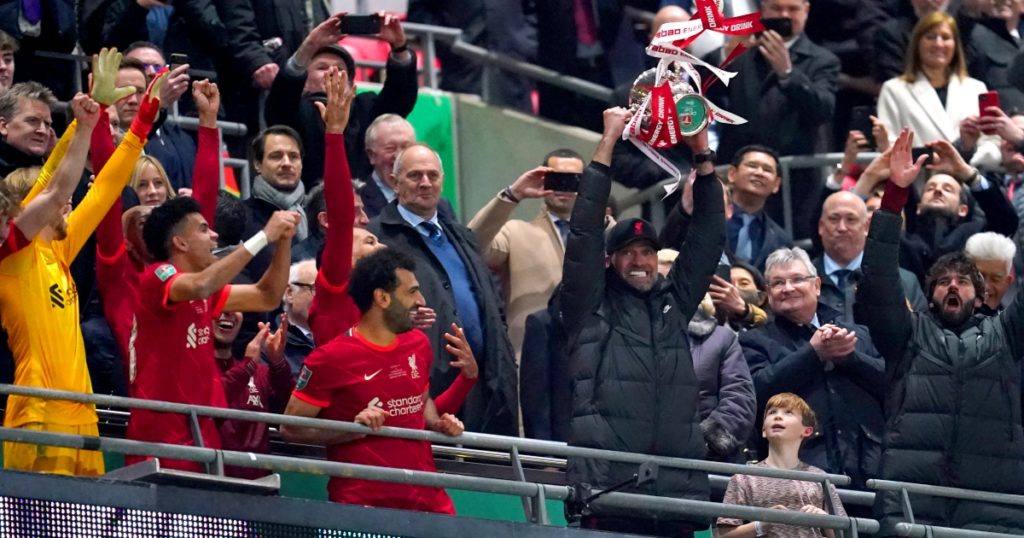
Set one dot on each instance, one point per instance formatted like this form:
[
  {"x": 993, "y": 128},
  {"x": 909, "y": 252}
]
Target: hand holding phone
[
  {"x": 562, "y": 181},
  {"x": 985, "y": 101},
  {"x": 860, "y": 120},
  {"x": 361, "y": 24},
  {"x": 780, "y": 25}
]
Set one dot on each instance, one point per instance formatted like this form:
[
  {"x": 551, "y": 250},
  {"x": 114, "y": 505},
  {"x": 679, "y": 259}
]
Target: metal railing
[
  {"x": 787, "y": 164},
  {"x": 430, "y": 34},
  {"x": 534, "y": 494},
  {"x": 537, "y": 493},
  {"x": 917, "y": 530}
]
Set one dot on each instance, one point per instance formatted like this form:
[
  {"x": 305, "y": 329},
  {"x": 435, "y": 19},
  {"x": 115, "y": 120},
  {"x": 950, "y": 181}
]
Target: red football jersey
[
  {"x": 350, "y": 374},
  {"x": 118, "y": 281},
  {"x": 171, "y": 359},
  {"x": 332, "y": 311}
]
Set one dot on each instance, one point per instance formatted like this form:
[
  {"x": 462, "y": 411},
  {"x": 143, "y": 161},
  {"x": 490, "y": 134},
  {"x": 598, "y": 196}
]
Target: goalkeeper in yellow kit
[{"x": 39, "y": 302}]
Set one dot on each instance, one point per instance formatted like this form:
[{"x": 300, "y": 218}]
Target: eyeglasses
[
  {"x": 311, "y": 288},
  {"x": 780, "y": 283}
]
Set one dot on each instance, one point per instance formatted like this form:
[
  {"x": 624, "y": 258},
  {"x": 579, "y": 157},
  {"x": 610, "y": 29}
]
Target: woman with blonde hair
[
  {"x": 934, "y": 96},
  {"x": 150, "y": 182}
]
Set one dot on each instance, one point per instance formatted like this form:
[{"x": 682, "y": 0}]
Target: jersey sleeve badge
[
  {"x": 165, "y": 271},
  {"x": 304, "y": 376}
]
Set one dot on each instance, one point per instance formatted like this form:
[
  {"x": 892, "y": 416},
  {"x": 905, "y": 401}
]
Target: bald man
[{"x": 843, "y": 228}]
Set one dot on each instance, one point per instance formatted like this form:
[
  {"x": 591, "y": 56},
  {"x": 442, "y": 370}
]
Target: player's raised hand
[
  {"x": 86, "y": 111},
  {"x": 340, "y": 94},
  {"x": 104, "y": 77},
  {"x": 458, "y": 346}
]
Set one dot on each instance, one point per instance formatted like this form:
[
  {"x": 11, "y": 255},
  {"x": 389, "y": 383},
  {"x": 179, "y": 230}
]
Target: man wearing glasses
[
  {"x": 297, "y": 298},
  {"x": 833, "y": 365}
]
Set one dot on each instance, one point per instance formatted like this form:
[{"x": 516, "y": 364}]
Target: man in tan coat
[{"x": 528, "y": 254}]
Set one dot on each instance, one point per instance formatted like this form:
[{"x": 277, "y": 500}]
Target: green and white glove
[{"x": 104, "y": 78}]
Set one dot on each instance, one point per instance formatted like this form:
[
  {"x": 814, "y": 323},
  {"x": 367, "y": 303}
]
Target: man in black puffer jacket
[
  {"x": 632, "y": 379},
  {"x": 952, "y": 375}
]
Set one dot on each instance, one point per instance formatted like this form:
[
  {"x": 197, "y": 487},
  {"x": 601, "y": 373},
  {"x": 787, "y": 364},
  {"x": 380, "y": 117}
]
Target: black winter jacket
[
  {"x": 953, "y": 399},
  {"x": 847, "y": 398},
  {"x": 634, "y": 388},
  {"x": 288, "y": 105}
]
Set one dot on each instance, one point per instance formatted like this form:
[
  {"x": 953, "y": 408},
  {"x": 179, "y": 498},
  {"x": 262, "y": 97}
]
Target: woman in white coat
[{"x": 934, "y": 95}]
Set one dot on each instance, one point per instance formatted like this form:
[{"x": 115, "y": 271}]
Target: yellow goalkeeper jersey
[{"x": 39, "y": 302}]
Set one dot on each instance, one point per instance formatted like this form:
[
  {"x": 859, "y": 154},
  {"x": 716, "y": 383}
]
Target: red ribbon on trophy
[{"x": 668, "y": 101}]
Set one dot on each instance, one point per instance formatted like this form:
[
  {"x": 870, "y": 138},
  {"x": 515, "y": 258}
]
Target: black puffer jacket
[
  {"x": 633, "y": 383},
  {"x": 953, "y": 399}
]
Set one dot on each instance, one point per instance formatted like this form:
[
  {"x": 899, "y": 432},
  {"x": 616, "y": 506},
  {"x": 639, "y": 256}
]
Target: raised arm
[
  {"x": 583, "y": 271},
  {"x": 880, "y": 294},
  {"x": 189, "y": 286},
  {"x": 705, "y": 237},
  {"x": 44, "y": 208},
  {"x": 109, "y": 232},
  {"x": 265, "y": 295},
  {"x": 286, "y": 91},
  {"x": 398, "y": 94},
  {"x": 116, "y": 172},
  {"x": 339, "y": 197},
  {"x": 488, "y": 222},
  {"x": 206, "y": 170}
]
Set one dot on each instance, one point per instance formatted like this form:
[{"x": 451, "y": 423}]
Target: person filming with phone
[
  {"x": 300, "y": 85},
  {"x": 528, "y": 254}
]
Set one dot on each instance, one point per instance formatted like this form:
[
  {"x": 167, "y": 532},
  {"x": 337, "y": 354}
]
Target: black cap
[
  {"x": 346, "y": 58},
  {"x": 627, "y": 231}
]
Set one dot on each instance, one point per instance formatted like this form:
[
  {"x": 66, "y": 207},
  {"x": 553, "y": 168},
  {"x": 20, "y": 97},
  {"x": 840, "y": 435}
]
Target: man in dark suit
[
  {"x": 785, "y": 88},
  {"x": 754, "y": 177},
  {"x": 458, "y": 285},
  {"x": 843, "y": 228},
  {"x": 833, "y": 365}
]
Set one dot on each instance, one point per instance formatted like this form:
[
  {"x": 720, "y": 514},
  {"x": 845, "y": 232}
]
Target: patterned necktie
[{"x": 433, "y": 231}]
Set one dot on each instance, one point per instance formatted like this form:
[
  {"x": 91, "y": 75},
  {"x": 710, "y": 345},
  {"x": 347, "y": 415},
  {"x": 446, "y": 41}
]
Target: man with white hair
[
  {"x": 832, "y": 364},
  {"x": 993, "y": 254},
  {"x": 297, "y": 298}
]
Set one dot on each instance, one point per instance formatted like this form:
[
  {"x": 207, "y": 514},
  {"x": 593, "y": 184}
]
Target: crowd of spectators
[{"x": 346, "y": 287}]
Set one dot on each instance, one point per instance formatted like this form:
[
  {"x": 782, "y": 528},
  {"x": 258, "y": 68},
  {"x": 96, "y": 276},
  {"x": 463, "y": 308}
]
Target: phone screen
[
  {"x": 860, "y": 120},
  {"x": 562, "y": 181},
  {"x": 781, "y": 25},
  {"x": 916, "y": 153},
  {"x": 360, "y": 24}
]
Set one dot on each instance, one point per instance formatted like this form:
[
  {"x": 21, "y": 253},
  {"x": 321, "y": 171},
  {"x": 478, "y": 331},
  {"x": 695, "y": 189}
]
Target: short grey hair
[
  {"x": 785, "y": 255},
  {"x": 401, "y": 154},
  {"x": 384, "y": 119},
  {"x": 29, "y": 90},
  {"x": 991, "y": 246},
  {"x": 293, "y": 274}
]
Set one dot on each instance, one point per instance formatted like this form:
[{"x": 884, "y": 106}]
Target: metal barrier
[
  {"x": 787, "y": 164},
  {"x": 490, "y": 60},
  {"x": 536, "y": 492},
  {"x": 918, "y": 530}
]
